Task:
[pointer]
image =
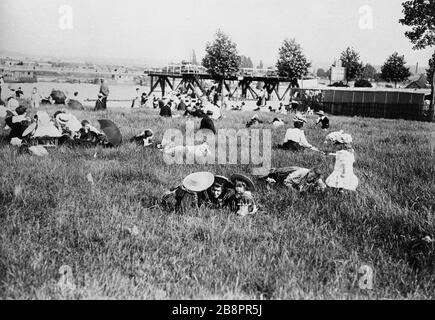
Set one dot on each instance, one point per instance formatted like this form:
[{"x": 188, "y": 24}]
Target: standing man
[
  {"x": 99, "y": 104},
  {"x": 104, "y": 90}
]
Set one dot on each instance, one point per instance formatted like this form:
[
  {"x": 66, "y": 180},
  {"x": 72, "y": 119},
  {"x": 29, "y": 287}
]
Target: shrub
[
  {"x": 362, "y": 83},
  {"x": 338, "y": 84}
]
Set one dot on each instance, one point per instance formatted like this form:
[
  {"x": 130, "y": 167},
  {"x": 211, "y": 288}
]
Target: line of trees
[{"x": 222, "y": 59}]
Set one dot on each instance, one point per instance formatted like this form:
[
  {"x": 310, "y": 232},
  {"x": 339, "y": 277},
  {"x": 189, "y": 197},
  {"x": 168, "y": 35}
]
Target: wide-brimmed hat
[
  {"x": 100, "y": 95},
  {"x": 20, "y": 110},
  {"x": 320, "y": 113},
  {"x": 222, "y": 181},
  {"x": 29, "y": 129},
  {"x": 198, "y": 181},
  {"x": 240, "y": 177},
  {"x": 209, "y": 112},
  {"x": 299, "y": 118}
]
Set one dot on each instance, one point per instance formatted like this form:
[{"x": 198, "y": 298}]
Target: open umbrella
[
  {"x": 111, "y": 131},
  {"x": 75, "y": 105},
  {"x": 58, "y": 96}
]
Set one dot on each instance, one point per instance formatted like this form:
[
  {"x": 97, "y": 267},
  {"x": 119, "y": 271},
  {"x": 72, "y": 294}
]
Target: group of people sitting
[{"x": 62, "y": 127}]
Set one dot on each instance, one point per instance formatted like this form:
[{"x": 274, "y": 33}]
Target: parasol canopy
[
  {"x": 75, "y": 105},
  {"x": 111, "y": 131},
  {"x": 58, "y": 96}
]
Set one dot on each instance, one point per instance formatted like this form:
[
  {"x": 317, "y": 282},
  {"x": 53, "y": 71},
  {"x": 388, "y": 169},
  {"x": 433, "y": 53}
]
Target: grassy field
[{"x": 297, "y": 247}]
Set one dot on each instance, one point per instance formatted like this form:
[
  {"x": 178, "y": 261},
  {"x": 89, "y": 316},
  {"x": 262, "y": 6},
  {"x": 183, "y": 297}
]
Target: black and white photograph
[{"x": 234, "y": 151}]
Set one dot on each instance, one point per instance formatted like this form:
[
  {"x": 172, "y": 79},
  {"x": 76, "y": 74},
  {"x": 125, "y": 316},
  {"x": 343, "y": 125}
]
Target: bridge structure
[
  {"x": 191, "y": 76},
  {"x": 188, "y": 76}
]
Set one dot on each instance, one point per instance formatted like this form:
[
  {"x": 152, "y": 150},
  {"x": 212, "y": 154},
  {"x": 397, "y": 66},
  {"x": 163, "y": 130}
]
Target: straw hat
[
  {"x": 198, "y": 181},
  {"x": 299, "y": 118},
  {"x": 320, "y": 113},
  {"x": 29, "y": 129},
  {"x": 222, "y": 181},
  {"x": 240, "y": 177}
]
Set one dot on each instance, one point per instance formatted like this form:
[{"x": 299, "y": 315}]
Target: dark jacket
[
  {"x": 205, "y": 198},
  {"x": 99, "y": 105},
  {"x": 207, "y": 123},
  {"x": 165, "y": 111}
]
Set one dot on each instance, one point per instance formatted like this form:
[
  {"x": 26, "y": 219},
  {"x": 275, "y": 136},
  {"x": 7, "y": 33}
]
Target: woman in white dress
[{"x": 343, "y": 177}]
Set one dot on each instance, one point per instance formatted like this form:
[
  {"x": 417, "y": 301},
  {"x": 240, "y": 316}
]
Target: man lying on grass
[{"x": 297, "y": 178}]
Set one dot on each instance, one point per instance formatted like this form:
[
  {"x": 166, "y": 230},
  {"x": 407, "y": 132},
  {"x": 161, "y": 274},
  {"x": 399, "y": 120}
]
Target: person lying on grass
[
  {"x": 242, "y": 201},
  {"x": 145, "y": 138},
  {"x": 218, "y": 195},
  {"x": 295, "y": 139},
  {"x": 297, "y": 178},
  {"x": 185, "y": 196},
  {"x": 255, "y": 120}
]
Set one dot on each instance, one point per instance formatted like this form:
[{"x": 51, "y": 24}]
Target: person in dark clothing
[
  {"x": 323, "y": 120},
  {"x": 181, "y": 106},
  {"x": 104, "y": 90},
  {"x": 165, "y": 110},
  {"x": 218, "y": 195},
  {"x": 143, "y": 98},
  {"x": 254, "y": 121},
  {"x": 99, "y": 104},
  {"x": 18, "y": 123},
  {"x": 207, "y": 122},
  {"x": 19, "y": 93}
]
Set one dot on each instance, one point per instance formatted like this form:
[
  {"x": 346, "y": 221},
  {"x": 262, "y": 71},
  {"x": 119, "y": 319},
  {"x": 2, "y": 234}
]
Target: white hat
[
  {"x": 39, "y": 151},
  {"x": 299, "y": 118},
  {"x": 198, "y": 181}
]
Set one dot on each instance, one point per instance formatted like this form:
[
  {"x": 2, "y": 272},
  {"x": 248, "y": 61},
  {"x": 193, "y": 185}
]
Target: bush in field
[
  {"x": 338, "y": 84},
  {"x": 362, "y": 83}
]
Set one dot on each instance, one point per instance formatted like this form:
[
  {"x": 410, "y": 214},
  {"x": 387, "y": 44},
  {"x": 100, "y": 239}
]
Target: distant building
[
  {"x": 18, "y": 76},
  {"x": 420, "y": 83},
  {"x": 337, "y": 72}
]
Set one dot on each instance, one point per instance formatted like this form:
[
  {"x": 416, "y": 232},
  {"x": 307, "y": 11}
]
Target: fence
[{"x": 376, "y": 104}]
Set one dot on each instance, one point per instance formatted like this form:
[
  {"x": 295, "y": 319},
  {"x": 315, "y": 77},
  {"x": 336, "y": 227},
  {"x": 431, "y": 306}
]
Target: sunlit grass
[{"x": 297, "y": 247}]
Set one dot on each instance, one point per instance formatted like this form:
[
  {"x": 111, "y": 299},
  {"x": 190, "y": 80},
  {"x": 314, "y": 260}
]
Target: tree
[
  {"x": 246, "y": 62},
  {"x": 430, "y": 71},
  {"x": 394, "y": 69},
  {"x": 194, "y": 58},
  {"x": 350, "y": 60},
  {"x": 321, "y": 73},
  {"x": 292, "y": 62},
  {"x": 221, "y": 58},
  {"x": 368, "y": 72},
  {"x": 260, "y": 66},
  {"x": 419, "y": 15}
]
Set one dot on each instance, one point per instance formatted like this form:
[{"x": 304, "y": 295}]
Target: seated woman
[
  {"x": 323, "y": 120},
  {"x": 18, "y": 123},
  {"x": 165, "y": 109},
  {"x": 218, "y": 195},
  {"x": 242, "y": 201},
  {"x": 207, "y": 122},
  {"x": 295, "y": 139},
  {"x": 88, "y": 133},
  {"x": 254, "y": 121}
]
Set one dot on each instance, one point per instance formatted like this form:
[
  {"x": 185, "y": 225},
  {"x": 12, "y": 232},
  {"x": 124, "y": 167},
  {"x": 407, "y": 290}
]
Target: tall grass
[{"x": 297, "y": 247}]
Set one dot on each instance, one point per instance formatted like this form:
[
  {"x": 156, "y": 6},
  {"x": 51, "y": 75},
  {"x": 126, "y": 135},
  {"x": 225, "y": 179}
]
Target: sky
[{"x": 163, "y": 31}]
